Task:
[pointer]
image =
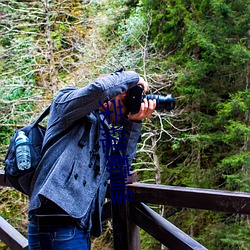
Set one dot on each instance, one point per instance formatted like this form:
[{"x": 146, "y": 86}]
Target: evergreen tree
[{"x": 205, "y": 44}]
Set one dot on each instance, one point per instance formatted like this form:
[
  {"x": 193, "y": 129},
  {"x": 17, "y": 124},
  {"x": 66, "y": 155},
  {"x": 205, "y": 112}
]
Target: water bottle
[{"x": 23, "y": 156}]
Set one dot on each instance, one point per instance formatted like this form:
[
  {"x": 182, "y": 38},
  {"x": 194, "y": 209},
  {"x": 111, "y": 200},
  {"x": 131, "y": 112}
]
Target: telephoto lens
[
  {"x": 162, "y": 102},
  {"x": 135, "y": 98}
]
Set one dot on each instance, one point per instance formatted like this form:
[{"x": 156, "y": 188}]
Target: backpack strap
[{"x": 43, "y": 115}]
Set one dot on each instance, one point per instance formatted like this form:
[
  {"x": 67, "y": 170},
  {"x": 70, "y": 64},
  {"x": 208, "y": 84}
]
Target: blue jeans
[{"x": 57, "y": 238}]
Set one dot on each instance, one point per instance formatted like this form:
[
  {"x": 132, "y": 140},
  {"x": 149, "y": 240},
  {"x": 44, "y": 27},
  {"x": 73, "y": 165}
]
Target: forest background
[{"x": 197, "y": 50}]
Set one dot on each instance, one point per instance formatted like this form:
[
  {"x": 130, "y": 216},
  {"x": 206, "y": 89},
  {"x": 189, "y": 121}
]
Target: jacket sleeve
[{"x": 74, "y": 104}]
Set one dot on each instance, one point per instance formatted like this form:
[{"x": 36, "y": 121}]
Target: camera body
[{"x": 135, "y": 97}]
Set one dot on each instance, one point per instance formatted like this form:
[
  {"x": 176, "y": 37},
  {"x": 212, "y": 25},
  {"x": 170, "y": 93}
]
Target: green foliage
[
  {"x": 198, "y": 50},
  {"x": 14, "y": 208},
  {"x": 206, "y": 43},
  {"x": 222, "y": 235},
  {"x": 148, "y": 242},
  {"x": 41, "y": 49}
]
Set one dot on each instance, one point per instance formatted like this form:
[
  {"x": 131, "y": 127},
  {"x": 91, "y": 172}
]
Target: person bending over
[{"x": 69, "y": 186}]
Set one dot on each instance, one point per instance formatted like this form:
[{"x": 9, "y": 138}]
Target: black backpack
[{"x": 21, "y": 179}]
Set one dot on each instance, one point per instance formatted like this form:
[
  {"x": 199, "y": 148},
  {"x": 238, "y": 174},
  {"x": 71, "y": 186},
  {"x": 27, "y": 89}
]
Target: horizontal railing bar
[
  {"x": 11, "y": 237},
  {"x": 208, "y": 199},
  {"x": 161, "y": 229}
]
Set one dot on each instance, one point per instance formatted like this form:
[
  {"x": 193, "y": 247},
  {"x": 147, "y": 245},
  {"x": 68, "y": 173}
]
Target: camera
[{"x": 135, "y": 97}]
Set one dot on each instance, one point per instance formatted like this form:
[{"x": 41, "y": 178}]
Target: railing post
[
  {"x": 119, "y": 226},
  {"x": 133, "y": 232},
  {"x": 125, "y": 232}
]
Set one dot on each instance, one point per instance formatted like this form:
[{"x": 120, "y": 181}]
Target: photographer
[{"x": 70, "y": 183}]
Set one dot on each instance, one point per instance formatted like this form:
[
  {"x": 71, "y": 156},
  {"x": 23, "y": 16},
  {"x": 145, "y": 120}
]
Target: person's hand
[
  {"x": 147, "y": 108},
  {"x": 144, "y": 84}
]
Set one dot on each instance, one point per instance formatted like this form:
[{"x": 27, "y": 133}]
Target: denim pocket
[{"x": 63, "y": 234}]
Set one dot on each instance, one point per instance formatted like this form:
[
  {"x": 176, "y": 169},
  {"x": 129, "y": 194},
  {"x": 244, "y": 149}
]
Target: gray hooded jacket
[{"x": 67, "y": 174}]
